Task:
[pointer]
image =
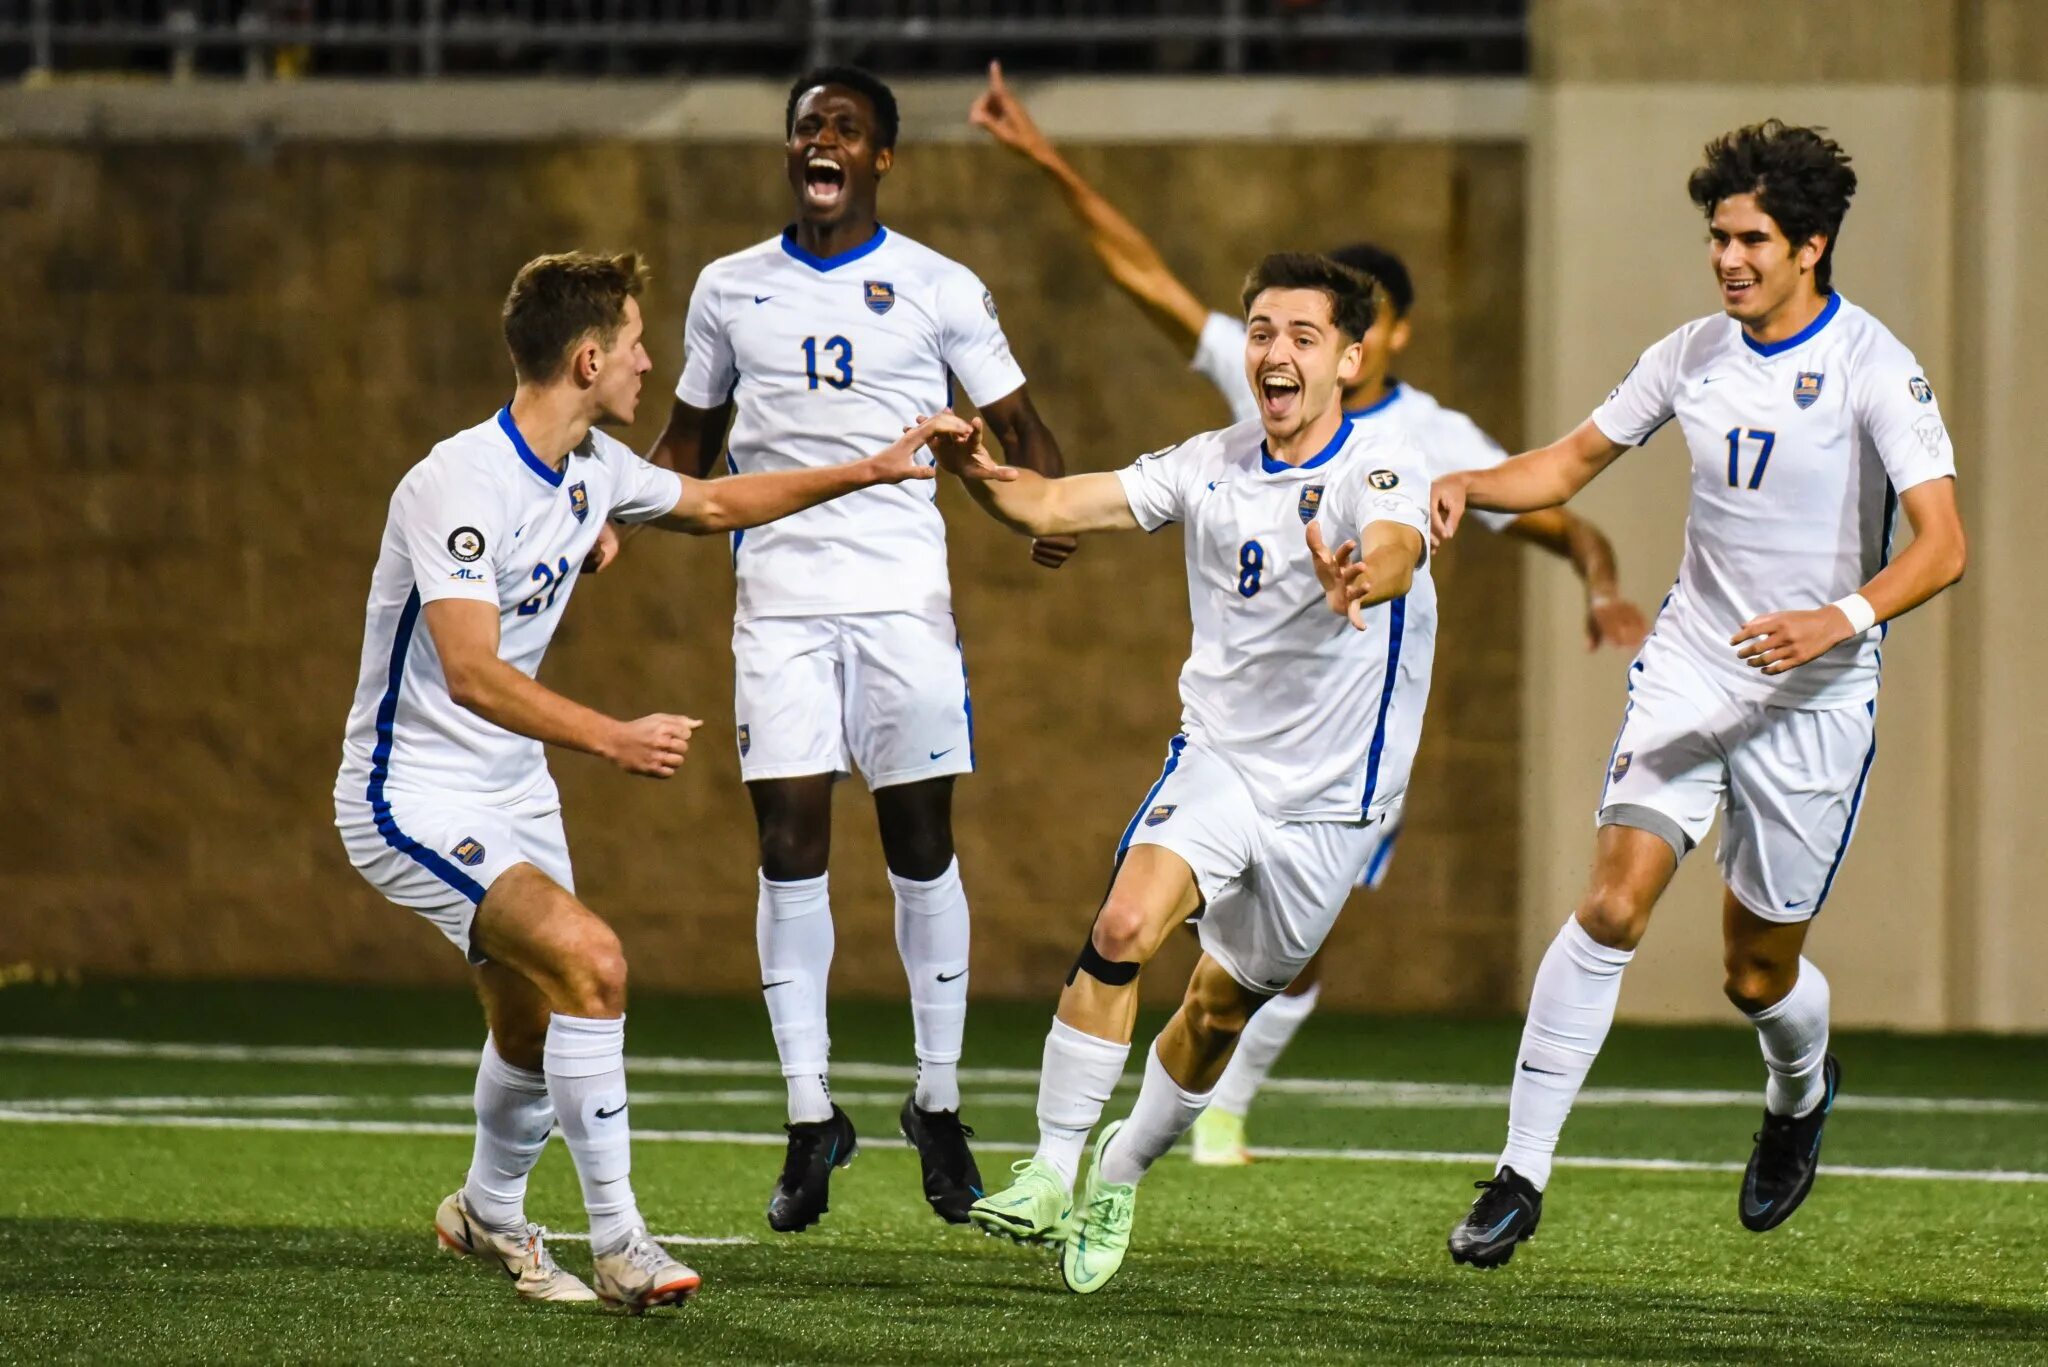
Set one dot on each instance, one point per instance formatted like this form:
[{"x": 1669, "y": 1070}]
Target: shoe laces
[
  {"x": 1497, "y": 1196},
  {"x": 804, "y": 1139},
  {"x": 952, "y": 1137},
  {"x": 645, "y": 1255},
  {"x": 1777, "y": 1157},
  {"x": 538, "y": 1258},
  {"x": 1112, "y": 1204}
]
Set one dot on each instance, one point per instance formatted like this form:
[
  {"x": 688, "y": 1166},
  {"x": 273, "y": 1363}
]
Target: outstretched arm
[
  {"x": 1542, "y": 478},
  {"x": 1611, "y": 620},
  {"x": 1387, "y": 554},
  {"x": 1028, "y": 443},
  {"x": 740, "y": 501},
  {"x": 1024, "y": 500},
  {"x": 690, "y": 445},
  {"x": 1127, "y": 254}
]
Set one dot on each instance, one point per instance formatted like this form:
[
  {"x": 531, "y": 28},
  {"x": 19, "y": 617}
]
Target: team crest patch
[
  {"x": 880, "y": 295},
  {"x": 746, "y": 737},
  {"x": 1921, "y": 390},
  {"x": 1383, "y": 479},
  {"x": 1158, "y": 815},
  {"x": 1311, "y": 501},
  {"x": 466, "y": 544},
  {"x": 1806, "y": 387},
  {"x": 988, "y": 301},
  {"x": 470, "y": 851},
  {"x": 1621, "y": 764},
  {"x": 579, "y": 500}
]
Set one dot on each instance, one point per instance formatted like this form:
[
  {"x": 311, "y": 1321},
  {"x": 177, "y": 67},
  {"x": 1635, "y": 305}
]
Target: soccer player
[
  {"x": 824, "y": 341},
  {"x": 1297, "y": 735},
  {"x": 444, "y": 800},
  {"x": 1447, "y": 438},
  {"x": 1809, "y": 426}
]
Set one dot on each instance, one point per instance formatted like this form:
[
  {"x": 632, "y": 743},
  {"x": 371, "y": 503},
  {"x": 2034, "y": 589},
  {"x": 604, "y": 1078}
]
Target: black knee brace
[{"x": 1104, "y": 971}]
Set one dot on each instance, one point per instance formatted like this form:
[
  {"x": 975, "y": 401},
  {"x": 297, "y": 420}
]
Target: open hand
[
  {"x": 1005, "y": 117},
  {"x": 899, "y": 460},
  {"x": 1778, "y": 641},
  {"x": 1446, "y": 509},
  {"x": 958, "y": 447},
  {"x": 1345, "y": 587},
  {"x": 653, "y": 746}
]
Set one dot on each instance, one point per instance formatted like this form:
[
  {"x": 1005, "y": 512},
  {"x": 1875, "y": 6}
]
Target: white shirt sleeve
[
  {"x": 1219, "y": 359},
  {"x": 708, "y": 371},
  {"x": 641, "y": 491},
  {"x": 1156, "y": 484},
  {"x": 1455, "y": 442},
  {"x": 1642, "y": 402},
  {"x": 971, "y": 340},
  {"x": 453, "y": 532},
  {"x": 1894, "y": 403},
  {"x": 1390, "y": 483}
]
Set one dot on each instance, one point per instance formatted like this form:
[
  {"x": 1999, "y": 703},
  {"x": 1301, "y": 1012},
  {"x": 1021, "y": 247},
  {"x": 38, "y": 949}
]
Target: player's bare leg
[
  {"x": 1219, "y": 1136},
  {"x": 1786, "y": 997},
  {"x": 532, "y": 927},
  {"x": 932, "y": 935},
  {"x": 1091, "y": 1037},
  {"x": 1571, "y": 1007}
]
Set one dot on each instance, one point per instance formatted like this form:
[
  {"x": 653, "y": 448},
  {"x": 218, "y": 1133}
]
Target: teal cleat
[
  {"x": 1100, "y": 1233},
  {"x": 1033, "y": 1209}
]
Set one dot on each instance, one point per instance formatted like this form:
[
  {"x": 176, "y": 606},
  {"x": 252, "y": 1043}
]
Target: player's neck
[
  {"x": 551, "y": 420},
  {"x": 1790, "y": 318},
  {"x": 830, "y": 239},
  {"x": 1310, "y": 439},
  {"x": 1368, "y": 394}
]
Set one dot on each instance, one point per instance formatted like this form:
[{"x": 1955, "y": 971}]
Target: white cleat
[
  {"x": 522, "y": 1254},
  {"x": 640, "y": 1275}
]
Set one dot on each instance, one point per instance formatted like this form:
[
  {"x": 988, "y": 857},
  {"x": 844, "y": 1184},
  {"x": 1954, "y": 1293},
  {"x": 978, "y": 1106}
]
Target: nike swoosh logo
[
  {"x": 1794, "y": 906},
  {"x": 607, "y": 1115},
  {"x": 763, "y": 298},
  {"x": 951, "y": 977},
  {"x": 1545, "y": 1071},
  {"x": 1214, "y": 482},
  {"x": 521, "y": 532},
  {"x": 779, "y": 982},
  {"x": 1752, "y": 1209},
  {"x": 1709, "y": 380},
  {"x": 941, "y": 754},
  {"x": 1498, "y": 1229}
]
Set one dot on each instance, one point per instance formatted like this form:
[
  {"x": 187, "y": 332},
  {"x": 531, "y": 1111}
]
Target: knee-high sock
[
  {"x": 1265, "y": 1038},
  {"x": 793, "y": 928},
  {"x": 1794, "y": 1035},
  {"x": 586, "y": 1070},
  {"x": 1163, "y": 1114},
  {"x": 1074, "y": 1082},
  {"x": 931, "y": 935},
  {"x": 513, "y": 1117},
  {"x": 1570, "y": 1010}
]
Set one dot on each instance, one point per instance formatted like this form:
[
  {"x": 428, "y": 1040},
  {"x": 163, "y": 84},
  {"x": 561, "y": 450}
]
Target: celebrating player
[
  {"x": 1809, "y": 425},
  {"x": 1447, "y": 439},
  {"x": 1297, "y": 735},
  {"x": 444, "y": 799}
]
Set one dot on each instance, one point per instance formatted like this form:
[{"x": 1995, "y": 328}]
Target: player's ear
[
  {"x": 1350, "y": 361},
  {"x": 884, "y": 159},
  {"x": 1397, "y": 336},
  {"x": 1810, "y": 251}
]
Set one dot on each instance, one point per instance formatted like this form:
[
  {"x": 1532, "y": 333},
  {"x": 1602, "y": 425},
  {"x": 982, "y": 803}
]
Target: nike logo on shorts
[{"x": 941, "y": 754}]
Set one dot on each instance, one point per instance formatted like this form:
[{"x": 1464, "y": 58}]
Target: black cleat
[
  {"x": 1786, "y": 1157},
  {"x": 815, "y": 1148},
  {"x": 952, "y": 1182},
  {"x": 1507, "y": 1212}
]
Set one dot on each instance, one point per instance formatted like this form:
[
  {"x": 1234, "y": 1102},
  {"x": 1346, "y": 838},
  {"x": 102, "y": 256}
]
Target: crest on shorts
[
  {"x": 1806, "y": 387},
  {"x": 1383, "y": 479},
  {"x": 579, "y": 500},
  {"x": 880, "y": 295},
  {"x": 746, "y": 737},
  {"x": 1157, "y": 816},
  {"x": 469, "y": 850},
  {"x": 1621, "y": 763},
  {"x": 465, "y": 544},
  {"x": 1310, "y": 502},
  {"x": 1920, "y": 389}
]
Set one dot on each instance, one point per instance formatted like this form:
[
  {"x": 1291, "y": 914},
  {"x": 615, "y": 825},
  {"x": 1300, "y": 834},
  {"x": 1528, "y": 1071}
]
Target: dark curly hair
[
  {"x": 852, "y": 78},
  {"x": 1800, "y": 177},
  {"x": 1384, "y": 267},
  {"x": 1350, "y": 291}
]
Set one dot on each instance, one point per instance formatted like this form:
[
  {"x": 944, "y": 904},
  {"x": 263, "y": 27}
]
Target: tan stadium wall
[{"x": 224, "y": 351}]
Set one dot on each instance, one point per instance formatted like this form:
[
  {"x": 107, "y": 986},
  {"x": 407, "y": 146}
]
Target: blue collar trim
[
  {"x": 533, "y": 462},
  {"x": 831, "y": 263},
  {"x": 1394, "y": 391},
  {"x": 1805, "y": 334},
  {"x": 1322, "y": 457}
]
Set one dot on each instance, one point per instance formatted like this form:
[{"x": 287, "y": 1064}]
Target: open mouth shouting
[
  {"x": 1279, "y": 394},
  {"x": 824, "y": 181}
]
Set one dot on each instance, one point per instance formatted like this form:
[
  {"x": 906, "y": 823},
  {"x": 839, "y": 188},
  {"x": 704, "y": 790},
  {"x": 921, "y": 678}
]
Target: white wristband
[{"x": 1862, "y": 617}]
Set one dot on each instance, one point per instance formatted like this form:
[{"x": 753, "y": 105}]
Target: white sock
[
  {"x": 793, "y": 928},
  {"x": 1265, "y": 1038},
  {"x": 513, "y": 1117},
  {"x": 931, "y": 935},
  {"x": 586, "y": 1070},
  {"x": 1570, "y": 1010},
  {"x": 1794, "y": 1035},
  {"x": 1163, "y": 1114},
  {"x": 1074, "y": 1082}
]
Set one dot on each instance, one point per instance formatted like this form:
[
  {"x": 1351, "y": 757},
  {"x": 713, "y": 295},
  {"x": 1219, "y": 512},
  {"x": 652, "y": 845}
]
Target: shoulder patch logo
[
  {"x": 746, "y": 737},
  {"x": 469, "y": 850},
  {"x": 1383, "y": 479},
  {"x": 1310, "y": 503},
  {"x": 988, "y": 301},
  {"x": 880, "y": 295},
  {"x": 1920, "y": 389},
  {"x": 579, "y": 500},
  {"x": 466, "y": 544},
  {"x": 1806, "y": 387},
  {"x": 1158, "y": 815},
  {"x": 1621, "y": 765}
]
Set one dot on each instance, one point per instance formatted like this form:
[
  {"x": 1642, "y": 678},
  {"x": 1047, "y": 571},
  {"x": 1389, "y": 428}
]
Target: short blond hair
[{"x": 559, "y": 299}]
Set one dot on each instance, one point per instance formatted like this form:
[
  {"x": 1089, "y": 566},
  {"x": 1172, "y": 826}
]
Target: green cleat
[
  {"x": 1031, "y": 1210},
  {"x": 1218, "y": 1139},
  {"x": 1100, "y": 1232}
]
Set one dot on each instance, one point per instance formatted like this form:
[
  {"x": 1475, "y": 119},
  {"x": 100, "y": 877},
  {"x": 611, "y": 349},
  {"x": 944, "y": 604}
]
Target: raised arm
[
  {"x": 740, "y": 501},
  {"x": 1127, "y": 254},
  {"x": 1542, "y": 478}
]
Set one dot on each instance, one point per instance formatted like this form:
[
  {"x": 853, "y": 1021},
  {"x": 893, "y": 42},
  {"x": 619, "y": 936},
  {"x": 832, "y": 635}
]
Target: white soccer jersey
[
  {"x": 1322, "y": 720},
  {"x": 1449, "y": 441},
  {"x": 1800, "y": 449},
  {"x": 827, "y": 360},
  {"x": 482, "y": 518}
]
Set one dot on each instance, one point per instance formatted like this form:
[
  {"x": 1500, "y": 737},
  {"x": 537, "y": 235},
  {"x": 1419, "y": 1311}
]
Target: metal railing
[{"x": 263, "y": 38}]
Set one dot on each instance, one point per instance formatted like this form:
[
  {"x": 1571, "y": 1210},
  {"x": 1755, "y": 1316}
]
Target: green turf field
[{"x": 248, "y": 1174}]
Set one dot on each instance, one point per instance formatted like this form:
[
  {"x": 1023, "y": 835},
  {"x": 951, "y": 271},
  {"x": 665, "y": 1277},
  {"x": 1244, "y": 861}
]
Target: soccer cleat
[
  {"x": 815, "y": 1148},
  {"x": 521, "y": 1254},
  {"x": 1507, "y": 1212},
  {"x": 639, "y": 1275},
  {"x": 1099, "y": 1234},
  {"x": 1032, "y": 1210},
  {"x": 1785, "y": 1159},
  {"x": 1219, "y": 1140},
  {"x": 952, "y": 1182}
]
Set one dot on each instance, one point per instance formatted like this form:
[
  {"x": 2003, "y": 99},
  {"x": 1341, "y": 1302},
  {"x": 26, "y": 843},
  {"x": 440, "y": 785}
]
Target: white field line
[
  {"x": 292, "y": 1124},
  {"x": 1336, "y": 1092},
  {"x": 698, "y": 1240}
]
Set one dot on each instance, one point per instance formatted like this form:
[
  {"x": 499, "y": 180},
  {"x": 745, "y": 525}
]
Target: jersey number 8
[
  {"x": 844, "y": 380},
  {"x": 1251, "y": 563}
]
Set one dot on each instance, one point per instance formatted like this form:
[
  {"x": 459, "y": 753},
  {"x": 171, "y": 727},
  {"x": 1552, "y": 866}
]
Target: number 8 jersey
[
  {"x": 1800, "y": 449},
  {"x": 827, "y": 360}
]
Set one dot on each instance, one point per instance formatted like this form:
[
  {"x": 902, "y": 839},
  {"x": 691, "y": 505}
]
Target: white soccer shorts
[
  {"x": 884, "y": 691},
  {"x": 439, "y": 857},
  {"x": 1271, "y": 889},
  {"x": 1790, "y": 781}
]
